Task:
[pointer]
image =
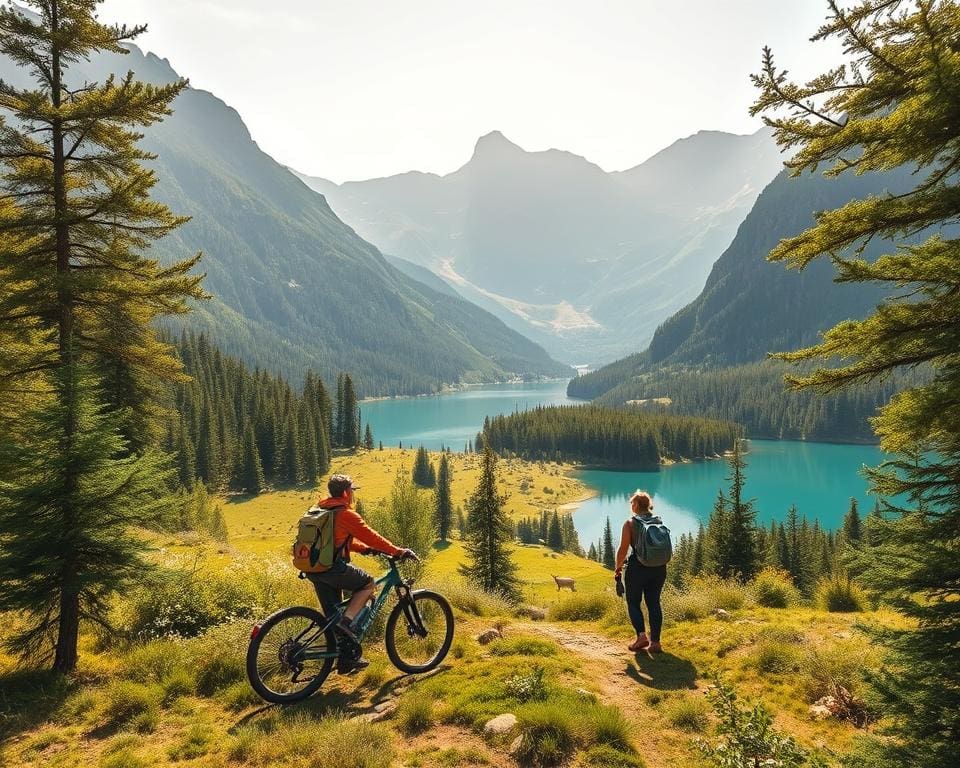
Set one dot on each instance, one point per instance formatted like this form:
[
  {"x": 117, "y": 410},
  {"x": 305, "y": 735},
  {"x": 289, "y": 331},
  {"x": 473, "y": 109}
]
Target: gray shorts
[{"x": 341, "y": 576}]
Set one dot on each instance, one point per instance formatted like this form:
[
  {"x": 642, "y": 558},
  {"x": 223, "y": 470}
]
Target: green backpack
[
  {"x": 651, "y": 541},
  {"x": 314, "y": 549}
]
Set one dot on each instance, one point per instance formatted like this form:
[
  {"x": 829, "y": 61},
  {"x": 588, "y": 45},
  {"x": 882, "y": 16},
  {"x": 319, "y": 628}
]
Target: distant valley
[{"x": 585, "y": 262}]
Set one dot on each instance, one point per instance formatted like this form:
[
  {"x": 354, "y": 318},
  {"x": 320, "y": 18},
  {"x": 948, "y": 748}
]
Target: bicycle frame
[{"x": 391, "y": 580}]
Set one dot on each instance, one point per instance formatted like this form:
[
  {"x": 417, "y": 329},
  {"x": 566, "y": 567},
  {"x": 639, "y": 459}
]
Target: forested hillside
[
  {"x": 756, "y": 397},
  {"x": 295, "y": 288}
]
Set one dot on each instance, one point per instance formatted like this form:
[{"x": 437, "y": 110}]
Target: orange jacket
[{"x": 352, "y": 534}]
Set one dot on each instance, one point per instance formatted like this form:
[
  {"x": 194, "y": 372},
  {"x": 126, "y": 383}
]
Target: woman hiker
[{"x": 643, "y": 582}]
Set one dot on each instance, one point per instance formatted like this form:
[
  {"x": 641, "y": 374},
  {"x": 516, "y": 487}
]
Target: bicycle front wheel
[
  {"x": 419, "y": 631},
  {"x": 290, "y": 655}
]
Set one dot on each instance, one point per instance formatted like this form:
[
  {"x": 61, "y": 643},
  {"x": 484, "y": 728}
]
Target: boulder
[
  {"x": 820, "y": 711},
  {"x": 516, "y": 744},
  {"x": 500, "y": 725},
  {"x": 721, "y": 614},
  {"x": 533, "y": 612}
]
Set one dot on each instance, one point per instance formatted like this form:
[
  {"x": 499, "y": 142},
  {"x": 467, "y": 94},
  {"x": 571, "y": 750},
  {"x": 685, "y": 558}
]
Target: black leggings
[{"x": 645, "y": 583}]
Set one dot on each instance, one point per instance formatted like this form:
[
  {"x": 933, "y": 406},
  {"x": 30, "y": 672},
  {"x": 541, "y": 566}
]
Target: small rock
[
  {"x": 516, "y": 744},
  {"x": 843, "y": 634},
  {"x": 500, "y": 724},
  {"x": 819, "y": 712},
  {"x": 721, "y": 614},
  {"x": 485, "y": 638},
  {"x": 583, "y": 693},
  {"x": 376, "y": 717},
  {"x": 385, "y": 706},
  {"x": 533, "y": 612}
]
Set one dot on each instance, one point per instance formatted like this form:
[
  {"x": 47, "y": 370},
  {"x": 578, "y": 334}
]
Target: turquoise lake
[{"x": 819, "y": 478}]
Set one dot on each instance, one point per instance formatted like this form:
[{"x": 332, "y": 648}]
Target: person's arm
[
  {"x": 625, "y": 538},
  {"x": 364, "y": 536}
]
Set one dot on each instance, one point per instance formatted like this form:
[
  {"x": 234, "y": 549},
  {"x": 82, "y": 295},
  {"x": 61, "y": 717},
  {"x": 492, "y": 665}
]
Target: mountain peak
[{"x": 494, "y": 143}]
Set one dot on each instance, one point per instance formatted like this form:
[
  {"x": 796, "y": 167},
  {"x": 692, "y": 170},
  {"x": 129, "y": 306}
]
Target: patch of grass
[
  {"x": 685, "y": 606},
  {"x": 155, "y": 660},
  {"x": 773, "y": 657},
  {"x": 605, "y": 756},
  {"x": 728, "y": 594},
  {"x": 548, "y": 734},
  {"x": 125, "y": 758},
  {"x": 358, "y": 744},
  {"x": 451, "y": 757},
  {"x": 688, "y": 713},
  {"x": 46, "y": 739},
  {"x": 840, "y": 594},
  {"x": 523, "y": 646},
  {"x": 243, "y": 743},
  {"x": 414, "y": 715},
  {"x": 122, "y": 742},
  {"x": 773, "y": 588},
  {"x": 239, "y": 696},
  {"x": 585, "y": 606},
  {"x": 527, "y": 686},
  {"x": 124, "y": 701},
  {"x": 377, "y": 673},
  {"x": 472, "y": 600},
  {"x": 606, "y": 725},
  {"x": 194, "y": 743},
  {"x": 177, "y": 683}
]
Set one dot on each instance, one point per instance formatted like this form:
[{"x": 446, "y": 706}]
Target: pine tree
[
  {"x": 592, "y": 552},
  {"x": 851, "y": 524},
  {"x": 422, "y": 469},
  {"x": 251, "y": 475},
  {"x": 368, "y": 439},
  {"x": 609, "y": 553},
  {"x": 186, "y": 455},
  {"x": 743, "y": 555},
  {"x": 489, "y": 534},
  {"x": 341, "y": 417},
  {"x": 718, "y": 541},
  {"x": 77, "y": 299},
  {"x": 894, "y": 104},
  {"x": 350, "y": 437},
  {"x": 554, "y": 533},
  {"x": 444, "y": 506}
]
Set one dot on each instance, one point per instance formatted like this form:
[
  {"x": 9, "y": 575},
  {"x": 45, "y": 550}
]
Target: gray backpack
[{"x": 651, "y": 541}]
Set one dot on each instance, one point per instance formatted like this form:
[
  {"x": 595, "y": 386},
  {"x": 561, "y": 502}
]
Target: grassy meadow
[{"x": 166, "y": 685}]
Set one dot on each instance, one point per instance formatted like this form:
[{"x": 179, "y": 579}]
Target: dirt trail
[{"x": 623, "y": 678}]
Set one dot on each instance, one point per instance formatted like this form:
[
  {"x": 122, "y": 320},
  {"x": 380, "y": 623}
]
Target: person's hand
[
  {"x": 618, "y": 580},
  {"x": 368, "y": 551},
  {"x": 408, "y": 554}
]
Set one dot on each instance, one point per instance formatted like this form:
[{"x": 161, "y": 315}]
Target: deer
[{"x": 570, "y": 584}]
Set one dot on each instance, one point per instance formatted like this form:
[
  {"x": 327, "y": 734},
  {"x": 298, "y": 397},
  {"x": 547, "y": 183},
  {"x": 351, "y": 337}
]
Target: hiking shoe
[
  {"x": 349, "y": 666},
  {"x": 655, "y": 647},
  {"x": 639, "y": 644}
]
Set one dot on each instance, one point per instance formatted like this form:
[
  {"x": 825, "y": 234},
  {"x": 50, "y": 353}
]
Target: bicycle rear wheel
[
  {"x": 419, "y": 631},
  {"x": 290, "y": 655}
]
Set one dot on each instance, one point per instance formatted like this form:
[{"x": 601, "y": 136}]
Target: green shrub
[
  {"x": 527, "y": 686},
  {"x": 414, "y": 715},
  {"x": 776, "y": 658},
  {"x": 604, "y": 756},
  {"x": 840, "y": 594},
  {"x": 243, "y": 744},
  {"x": 523, "y": 646},
  {"x": 774, "y": 588},
  {"x": 124, "y": 700},
  {"x": 217, "y": 657},
  {"x": 728, "y": 594},
  {"x": 548, "y": 734},
  {"x": 747, "y": 736},
  {"x": 688, "y": 713},
  {"x": 194, "y": 743},
  {"x": 844, "y": 664},
  {"x": 585, "y": 606}
]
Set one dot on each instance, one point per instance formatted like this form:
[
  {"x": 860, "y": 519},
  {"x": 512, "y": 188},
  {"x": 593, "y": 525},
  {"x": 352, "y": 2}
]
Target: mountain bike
[{"x": 292, "y": 651}]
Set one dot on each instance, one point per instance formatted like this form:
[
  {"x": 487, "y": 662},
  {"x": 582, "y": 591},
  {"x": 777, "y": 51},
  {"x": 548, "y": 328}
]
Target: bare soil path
[{"x": 628, "y": 680}]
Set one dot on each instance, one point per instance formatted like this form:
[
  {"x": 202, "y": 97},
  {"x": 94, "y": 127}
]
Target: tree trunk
[
  {"x": 65, "y": 659},
  {"x": 68, "y": 630}
]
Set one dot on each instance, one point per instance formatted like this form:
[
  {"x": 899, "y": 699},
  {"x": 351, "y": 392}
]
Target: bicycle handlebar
[{"x": 409, "y": 555}]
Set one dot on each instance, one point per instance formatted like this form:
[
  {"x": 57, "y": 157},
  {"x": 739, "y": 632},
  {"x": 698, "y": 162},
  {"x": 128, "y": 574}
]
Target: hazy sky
[{"x": 354, "y": 89}]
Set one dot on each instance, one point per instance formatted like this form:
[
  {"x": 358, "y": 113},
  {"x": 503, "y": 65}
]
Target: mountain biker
[
  {"x": 350, "y": 534},
  {"x": 643, "y": 582}
]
